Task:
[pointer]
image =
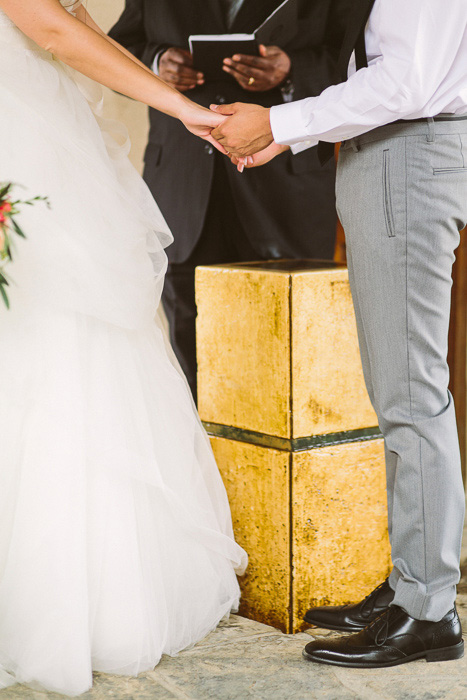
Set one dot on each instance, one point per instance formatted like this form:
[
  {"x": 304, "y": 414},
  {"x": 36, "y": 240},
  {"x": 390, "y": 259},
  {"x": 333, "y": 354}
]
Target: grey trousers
[{"x": 402, "y": 199}]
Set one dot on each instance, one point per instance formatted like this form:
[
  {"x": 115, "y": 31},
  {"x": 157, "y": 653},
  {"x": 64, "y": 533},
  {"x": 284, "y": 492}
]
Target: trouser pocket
[
  {"x": 442, "y": 171},
  {"x": 387, "y": 197}
]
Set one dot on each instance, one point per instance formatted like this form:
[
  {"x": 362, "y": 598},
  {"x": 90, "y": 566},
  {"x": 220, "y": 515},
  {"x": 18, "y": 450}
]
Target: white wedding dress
[{"x": 116, "y": 541}]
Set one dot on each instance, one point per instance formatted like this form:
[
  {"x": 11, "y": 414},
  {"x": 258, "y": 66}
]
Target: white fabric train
[{"x": 116, "y": 541}]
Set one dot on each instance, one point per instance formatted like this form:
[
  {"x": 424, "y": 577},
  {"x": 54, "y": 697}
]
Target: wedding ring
[{"x": 251, "y": 81}]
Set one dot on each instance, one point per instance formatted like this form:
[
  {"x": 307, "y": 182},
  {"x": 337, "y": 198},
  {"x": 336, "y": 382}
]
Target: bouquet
[{"x": 9, "y": 208}]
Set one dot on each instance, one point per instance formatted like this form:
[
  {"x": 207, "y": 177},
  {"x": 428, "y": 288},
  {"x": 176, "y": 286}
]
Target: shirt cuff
[
  {"x": 155, "y": 63},
  {"x": 288, "y": 125},
  {"x": 303, "y": 145}
]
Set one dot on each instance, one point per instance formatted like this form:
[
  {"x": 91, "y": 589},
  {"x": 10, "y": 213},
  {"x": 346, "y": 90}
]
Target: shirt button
[
  {"x": 209, "y": 149},
  {"x": 220, "y": 100}
]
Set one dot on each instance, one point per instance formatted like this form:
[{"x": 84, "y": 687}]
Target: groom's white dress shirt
[{"x": 417, "y": 56}]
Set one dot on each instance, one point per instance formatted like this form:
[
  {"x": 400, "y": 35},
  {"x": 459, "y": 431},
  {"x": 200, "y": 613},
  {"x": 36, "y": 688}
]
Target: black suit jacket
[{"x": 287, "y": 207}]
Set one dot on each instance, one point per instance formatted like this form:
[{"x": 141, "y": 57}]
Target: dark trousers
[{"x": 223, "y": 240}]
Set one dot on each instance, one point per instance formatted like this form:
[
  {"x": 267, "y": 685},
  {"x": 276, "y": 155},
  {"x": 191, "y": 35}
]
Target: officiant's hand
[
  {"x": 176, "y": 69},
  {"x": 246, "y": 131},
  {"x": 259, "y": 73}
]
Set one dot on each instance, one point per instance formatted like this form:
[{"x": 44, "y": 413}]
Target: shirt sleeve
[{"x": 419, "y": 41}]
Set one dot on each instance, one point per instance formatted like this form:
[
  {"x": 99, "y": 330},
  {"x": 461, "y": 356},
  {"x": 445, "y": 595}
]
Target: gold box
[
  {"x": 281, "y": 392},
  {"x": 314, "y": 524},
  {"x": 278, "y": 351}
]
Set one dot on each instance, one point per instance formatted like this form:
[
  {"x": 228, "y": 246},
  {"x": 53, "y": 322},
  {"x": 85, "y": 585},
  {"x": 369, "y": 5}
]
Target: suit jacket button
[
  {"x": 209, "y": 149},
  {"x": 220, "y": 100}
]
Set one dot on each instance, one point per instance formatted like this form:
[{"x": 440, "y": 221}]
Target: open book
[{"x": 209, "y": 50}]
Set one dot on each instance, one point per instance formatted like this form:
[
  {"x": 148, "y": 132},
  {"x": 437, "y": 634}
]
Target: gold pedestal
[{"x": 281, "y": 393}]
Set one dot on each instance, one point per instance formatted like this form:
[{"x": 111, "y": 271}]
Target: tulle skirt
[{"x": 116, "y": 542}]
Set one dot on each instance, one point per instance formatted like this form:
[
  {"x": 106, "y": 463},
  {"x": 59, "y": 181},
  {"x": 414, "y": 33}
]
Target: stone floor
[{"x": 245, "y": 660}]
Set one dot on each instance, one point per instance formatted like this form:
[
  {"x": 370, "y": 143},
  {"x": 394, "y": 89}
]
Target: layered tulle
[
  {"x": 116, "y": 542},
  {"x": 92, "y": 256}
]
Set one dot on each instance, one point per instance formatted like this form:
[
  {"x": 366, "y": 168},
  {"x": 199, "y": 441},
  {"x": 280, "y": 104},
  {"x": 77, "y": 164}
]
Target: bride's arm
[
  {"x": 83, "y": 15},
  {"x": 82, "y": 47}
]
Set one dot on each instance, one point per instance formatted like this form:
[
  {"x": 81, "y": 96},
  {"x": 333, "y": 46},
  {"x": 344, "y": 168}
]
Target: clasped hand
[
  {"x": 246, "y": 135},
  {"x": 238, "y": 130},
  {"x": 245, "y": 131}
]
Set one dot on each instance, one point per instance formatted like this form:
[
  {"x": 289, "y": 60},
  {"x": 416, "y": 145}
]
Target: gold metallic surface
[
  {"x": 272, "y": 345},
  {"x": 278, "y": 358},
  {"x": 329, "y": 393},
  {"x": 243, "y": 332},
  {"x": 257, "y": 483},
  {"x": 340, "y": 541},
  {"x": 331, "y": 548}
]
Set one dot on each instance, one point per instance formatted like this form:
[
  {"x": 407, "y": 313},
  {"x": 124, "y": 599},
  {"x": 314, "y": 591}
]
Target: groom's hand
[{"x": 246, "y": 131}]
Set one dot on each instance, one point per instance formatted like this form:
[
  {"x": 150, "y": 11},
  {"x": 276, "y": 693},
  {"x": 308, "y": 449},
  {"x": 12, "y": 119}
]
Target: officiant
[{"x": 284, "y": 210}]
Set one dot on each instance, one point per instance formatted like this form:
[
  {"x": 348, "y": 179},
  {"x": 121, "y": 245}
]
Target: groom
[{"x": 400, "y": 107}]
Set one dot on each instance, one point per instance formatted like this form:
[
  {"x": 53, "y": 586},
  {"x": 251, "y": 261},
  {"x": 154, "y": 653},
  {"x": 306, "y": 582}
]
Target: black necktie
[{"x": 354, "y": 40}]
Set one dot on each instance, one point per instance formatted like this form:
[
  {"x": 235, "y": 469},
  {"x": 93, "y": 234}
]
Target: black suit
[{"x": 285, "y": 209}]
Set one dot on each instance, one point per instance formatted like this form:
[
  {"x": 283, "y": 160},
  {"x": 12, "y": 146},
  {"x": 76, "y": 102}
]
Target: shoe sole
[{"x": 446, "y": 654}]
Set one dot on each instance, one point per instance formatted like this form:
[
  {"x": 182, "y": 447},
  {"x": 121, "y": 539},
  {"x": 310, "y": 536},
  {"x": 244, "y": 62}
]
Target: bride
[{"x": 116, "y": 542}]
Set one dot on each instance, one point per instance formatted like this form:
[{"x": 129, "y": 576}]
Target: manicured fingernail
[
  {"x": 236, "y": 57},
  {"x": 227, "y": 70},
  {"x": 200, "y": 82},
  {"x": 228, "y": 61},
  {"x": 200, "y": 76}
]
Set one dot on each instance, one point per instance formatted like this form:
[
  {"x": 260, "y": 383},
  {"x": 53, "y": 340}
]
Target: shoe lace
[
  {"x": 380, "y": 626},
  {"x": 369, "y": 603}
]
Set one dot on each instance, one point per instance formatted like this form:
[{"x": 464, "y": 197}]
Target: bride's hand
[
  {"x": 200, "y": 122},
  {"x": 260, "y": 158}
]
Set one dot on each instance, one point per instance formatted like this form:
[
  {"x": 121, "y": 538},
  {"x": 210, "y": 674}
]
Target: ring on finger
[{"x": 251, "y": 81}]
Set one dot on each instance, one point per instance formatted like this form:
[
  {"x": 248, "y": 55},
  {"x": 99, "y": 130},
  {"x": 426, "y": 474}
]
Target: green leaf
[
  {"x": 17, "y": 228},
  {"x": 4, "y": 189},
  {"x": 4, "y": 296}
]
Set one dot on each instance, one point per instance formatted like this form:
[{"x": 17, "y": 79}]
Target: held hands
[
  {"x": 201, "y": 122},
  {"x": 238, "y": 130},
  {"x": 259, "y": 73},
  {"x": 246, "y": 131},
  {"x": 210, "y": 126},
  {"x": 176, "y": 69}
]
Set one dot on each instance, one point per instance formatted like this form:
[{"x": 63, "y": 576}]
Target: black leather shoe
[
  {"x": 352, "y": 618},
  {"x": 393, "y": 638}
]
